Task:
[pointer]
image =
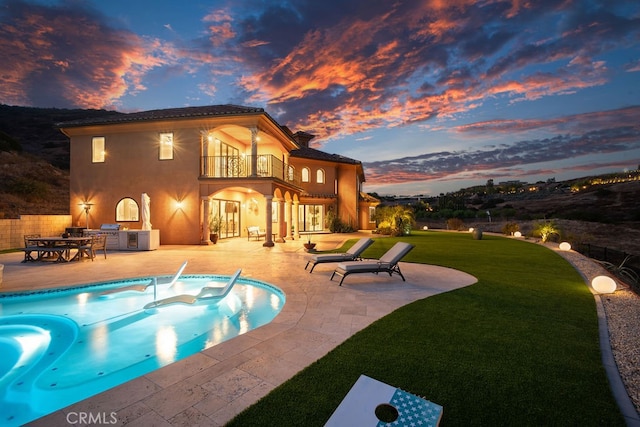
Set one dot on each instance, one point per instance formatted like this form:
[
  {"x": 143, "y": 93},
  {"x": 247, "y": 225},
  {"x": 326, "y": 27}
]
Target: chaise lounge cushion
[
  {"x": 387, "y": 263},
  {"x": 353, "y": 253}
]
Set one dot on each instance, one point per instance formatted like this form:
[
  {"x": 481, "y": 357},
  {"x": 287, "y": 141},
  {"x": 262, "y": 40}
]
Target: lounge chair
[
  {"x": 206, "y": 295},
  {"x": 387, "y": 263},
  {"x": 352, "y": 254}
]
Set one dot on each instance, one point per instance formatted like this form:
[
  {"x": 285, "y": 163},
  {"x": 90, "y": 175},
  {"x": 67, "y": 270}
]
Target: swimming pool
[{"x": 62, "y": 346}]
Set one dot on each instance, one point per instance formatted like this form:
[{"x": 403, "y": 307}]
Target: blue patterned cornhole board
[{"x": 359, "y": 405}]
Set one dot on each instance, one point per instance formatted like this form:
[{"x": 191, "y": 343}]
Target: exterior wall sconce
[
  {"x": 87, "y": 207},
  {"x": 179, "y": 205},
  {"x": 565, "y": 246},
  {"x": 603, "y": 284}
]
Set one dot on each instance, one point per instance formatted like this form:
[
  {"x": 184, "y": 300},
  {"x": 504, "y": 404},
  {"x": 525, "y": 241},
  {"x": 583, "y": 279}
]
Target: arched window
[
  {"x": 127, "y": 210},
  {"x": 320, "y": 176},
  {"x": 305, "y": 174}
]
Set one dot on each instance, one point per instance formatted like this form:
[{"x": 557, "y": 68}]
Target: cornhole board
[{"x": 358, "y": 408}]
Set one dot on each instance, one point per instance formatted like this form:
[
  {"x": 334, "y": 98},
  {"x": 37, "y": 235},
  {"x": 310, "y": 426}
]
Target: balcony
[{"x": 264, "y": 166}]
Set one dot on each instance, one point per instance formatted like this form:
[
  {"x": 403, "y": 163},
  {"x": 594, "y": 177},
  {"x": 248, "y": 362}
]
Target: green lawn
[{"x": 520, "y": 347}]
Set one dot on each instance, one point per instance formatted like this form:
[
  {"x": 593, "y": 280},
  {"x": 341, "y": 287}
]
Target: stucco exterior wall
[
  {"x": 182, "y": 194},
  {"x": 349, "y": 191},
  {"x": 132, "y": 167}
]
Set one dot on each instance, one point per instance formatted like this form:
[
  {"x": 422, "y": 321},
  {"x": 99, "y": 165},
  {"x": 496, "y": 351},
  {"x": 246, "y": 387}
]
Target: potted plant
[
  {"x": 309, "y": 246},
  {"x": 214, "y": 227}
]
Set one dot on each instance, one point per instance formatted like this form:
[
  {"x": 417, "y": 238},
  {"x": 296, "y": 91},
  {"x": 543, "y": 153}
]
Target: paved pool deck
[{"x": 211, "y": 387}]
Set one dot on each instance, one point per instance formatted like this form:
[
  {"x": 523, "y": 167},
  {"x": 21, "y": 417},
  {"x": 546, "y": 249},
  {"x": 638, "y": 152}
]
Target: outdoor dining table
[{"x": 59, "y": 248}]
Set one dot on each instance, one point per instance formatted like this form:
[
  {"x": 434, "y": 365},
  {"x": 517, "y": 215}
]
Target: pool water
[{"x": 58, "y": 347}]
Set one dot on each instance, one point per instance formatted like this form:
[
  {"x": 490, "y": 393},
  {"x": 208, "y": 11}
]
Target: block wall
[{"x": 12, "y": 231}]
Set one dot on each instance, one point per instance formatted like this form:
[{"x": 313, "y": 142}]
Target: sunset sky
[{"x": 432, "y": 96}]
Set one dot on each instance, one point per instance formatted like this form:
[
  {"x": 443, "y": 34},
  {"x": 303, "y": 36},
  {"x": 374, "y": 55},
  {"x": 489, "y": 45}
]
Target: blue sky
[{"x": 431, "y": 96}]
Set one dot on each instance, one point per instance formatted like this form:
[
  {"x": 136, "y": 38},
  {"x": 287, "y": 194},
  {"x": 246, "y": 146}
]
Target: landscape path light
[
  {"x": 565, "y": 246},
  {"x": 603, "y": 284}
]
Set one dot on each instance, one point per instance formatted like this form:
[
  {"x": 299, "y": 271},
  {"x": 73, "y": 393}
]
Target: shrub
[
  {"x": 398, "y": 219},
  {"x": 545, "y": 230},
  {"x": 455, "y": 224},
  {"x": 509, "y": 228},
  {"x": 30, "y": 189},
  {"x": 336, "y": 225}
]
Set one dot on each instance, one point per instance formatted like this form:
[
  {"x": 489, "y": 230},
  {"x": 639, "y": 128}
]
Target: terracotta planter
[
  {"x": 214, "y": 238},
  {"x": 309, "y": 246}
]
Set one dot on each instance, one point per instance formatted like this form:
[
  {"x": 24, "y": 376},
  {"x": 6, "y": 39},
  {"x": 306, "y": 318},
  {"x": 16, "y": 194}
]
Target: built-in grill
[{"x": 110, "y": 230}]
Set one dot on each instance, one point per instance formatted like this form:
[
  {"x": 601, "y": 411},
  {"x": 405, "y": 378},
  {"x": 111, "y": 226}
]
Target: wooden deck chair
[
  {"x": 388, "y": 263},
  {"x": 354, "y": 253},
  {"x": 98, "y": 243}
]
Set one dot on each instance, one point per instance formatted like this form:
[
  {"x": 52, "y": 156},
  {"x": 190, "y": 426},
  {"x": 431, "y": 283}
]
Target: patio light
[
  {"x": 87, "y": 207},
  {"x": 603, "y": 284},
  {"x": 565, "y": 246},
  {"x": 517, "y": 234}
]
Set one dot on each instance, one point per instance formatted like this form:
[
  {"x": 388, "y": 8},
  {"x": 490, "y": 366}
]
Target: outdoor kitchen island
[{"x": 127, "y": 240}]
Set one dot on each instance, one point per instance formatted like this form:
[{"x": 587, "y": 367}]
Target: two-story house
[{"x": 228, "y": 162}]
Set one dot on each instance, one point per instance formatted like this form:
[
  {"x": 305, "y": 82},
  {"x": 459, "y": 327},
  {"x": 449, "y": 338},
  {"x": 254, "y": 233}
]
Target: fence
[{"x": 612, "y": 256}]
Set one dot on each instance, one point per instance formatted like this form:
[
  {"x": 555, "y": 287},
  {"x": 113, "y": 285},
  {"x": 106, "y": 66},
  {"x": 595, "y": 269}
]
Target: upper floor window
[
  {"x": 127, "y": 210},
  {"x": 97, "y": 149},
  {"x": 305, "y": 174},
  {"x": 166, "y": 146},
  {"x": 320, "y": 176}
]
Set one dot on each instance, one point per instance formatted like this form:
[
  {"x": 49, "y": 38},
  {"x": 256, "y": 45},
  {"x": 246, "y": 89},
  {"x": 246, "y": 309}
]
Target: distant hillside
[
  {"x": 35, "y": 131},
  {"x": 34, "y": 160}
]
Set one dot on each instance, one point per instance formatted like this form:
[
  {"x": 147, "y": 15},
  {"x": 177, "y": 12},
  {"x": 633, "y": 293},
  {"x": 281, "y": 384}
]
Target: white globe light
[
  {"x": 471, "y": 230},
  {"x": 603, "y": 284},
  {"x": 517, "y": 234},
  {"x": 565, "y": 246},
  {"x": 425, "y": 227}
]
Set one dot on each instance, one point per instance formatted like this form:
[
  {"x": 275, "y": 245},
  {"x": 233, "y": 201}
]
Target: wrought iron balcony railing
[{"x": 263, "y": 165}]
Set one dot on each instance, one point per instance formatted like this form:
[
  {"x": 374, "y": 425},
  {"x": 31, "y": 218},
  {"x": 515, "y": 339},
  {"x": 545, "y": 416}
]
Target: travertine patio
[{"x": 210, "y": 387}]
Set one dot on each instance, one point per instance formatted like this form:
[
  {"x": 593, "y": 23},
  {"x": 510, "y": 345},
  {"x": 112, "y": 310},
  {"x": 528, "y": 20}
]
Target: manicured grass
[{"x": 520, "y": 347}]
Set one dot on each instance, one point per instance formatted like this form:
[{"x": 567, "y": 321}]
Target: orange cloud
[{"x": 67, "y": 57}]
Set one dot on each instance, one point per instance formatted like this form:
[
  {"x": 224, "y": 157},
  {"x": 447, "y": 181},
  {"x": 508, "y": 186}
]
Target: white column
[
  {"x": 254, "y": 151},
  {"x": 287, "y": 220},
  {"x": 269, "y": 226},
  {"x": 206, "y": 213},
  {"x": 205, "y": 155},
  {"x": 281, "y": 222},
  {"x": 296, "y": 219}
]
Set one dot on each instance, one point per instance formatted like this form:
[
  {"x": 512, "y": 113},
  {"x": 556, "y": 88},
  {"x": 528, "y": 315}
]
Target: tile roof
[
  {"x": 312, "y": 153},
  {"x": 169, "y": 113}
]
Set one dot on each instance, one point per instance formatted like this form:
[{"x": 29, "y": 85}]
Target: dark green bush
[{"x": 509, "y": 228}]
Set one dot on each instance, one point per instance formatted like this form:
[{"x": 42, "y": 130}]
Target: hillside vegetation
[{"x": 34, "y": 160}]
